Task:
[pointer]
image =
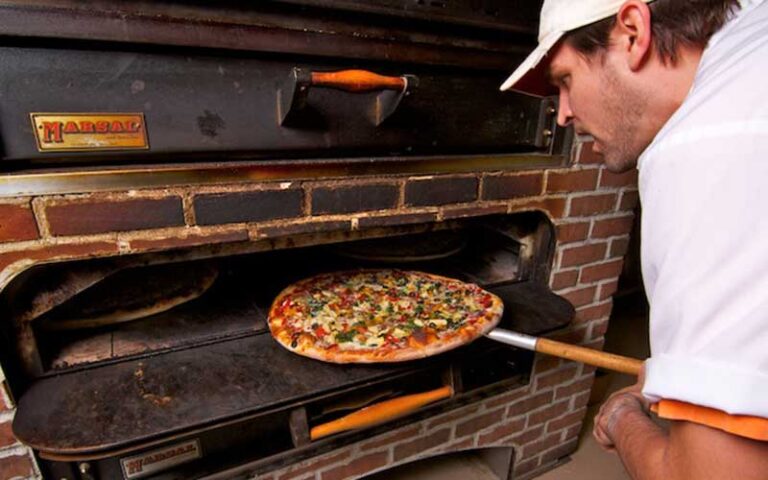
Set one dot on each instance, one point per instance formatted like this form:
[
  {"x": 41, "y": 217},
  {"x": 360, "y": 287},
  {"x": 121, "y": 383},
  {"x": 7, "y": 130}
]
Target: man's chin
[{"x": 617, "y": 163}]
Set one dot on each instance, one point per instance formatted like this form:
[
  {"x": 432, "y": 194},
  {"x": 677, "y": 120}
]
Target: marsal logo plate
[
  {"x": 57, "y": 132},
  {"x": 154, "y": 461}
]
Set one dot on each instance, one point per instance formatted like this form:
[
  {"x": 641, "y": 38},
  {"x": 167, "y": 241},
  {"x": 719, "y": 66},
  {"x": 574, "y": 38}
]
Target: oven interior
[{"x": 206, "y": 372}]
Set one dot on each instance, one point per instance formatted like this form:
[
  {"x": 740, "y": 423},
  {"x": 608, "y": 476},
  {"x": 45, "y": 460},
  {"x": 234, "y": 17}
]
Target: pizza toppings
[{"x": 385, "y": 313}]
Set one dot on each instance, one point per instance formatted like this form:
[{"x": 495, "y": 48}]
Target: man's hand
[
  {"x": 625, "y": 401},
  {"x": 684, "y": 451}
]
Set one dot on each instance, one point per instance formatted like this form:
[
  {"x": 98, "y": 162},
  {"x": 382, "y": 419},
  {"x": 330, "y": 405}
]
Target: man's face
[{"x": 600, "y": 102}]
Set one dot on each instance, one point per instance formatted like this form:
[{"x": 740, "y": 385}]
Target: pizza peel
[{"x": 576, "y": 353}]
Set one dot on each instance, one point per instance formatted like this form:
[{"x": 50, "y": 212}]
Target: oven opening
[
  {"x": 486, "y": 464},
  {"x": 99, "y": 310},
  {"x": 155, "y": 353}
]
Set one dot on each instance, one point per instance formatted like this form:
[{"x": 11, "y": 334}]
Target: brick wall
[{"x": 591, "y": 209}]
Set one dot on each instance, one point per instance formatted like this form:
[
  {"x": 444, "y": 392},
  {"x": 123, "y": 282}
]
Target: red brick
[
  {"x": 84, "y": 217},
  {"x": 501, "y": 431},
  {"x": 595, "y": 312},
  {"x": 604, "y": 271},
  {"x": 6, "y": 435},
  {"x": 564, "y": 279},
  {"x": 480, "y": 422},
  {"x": 583, "y": 254},
  {"x": 619, "y": 247},
  {"x": 628, "y": 178},
  {"x": 354, "y": 198},
  {"x": 390, "y": 439},
  {"x": 369, "y": 221},
  {"x": 556, "y": 378},
  {"x": 566, "y": 420},
  {"x": 460, "y": 445},
  {"x": 612, "y": 227},
  {"x": 581, "y": 297},
  {"x": 528, "y": 404},
  {"x": 17, "y": 222},
  {"x": 503, "y": 187},
  {"x": 579, "y": 386},
  {"x": 548, "y": 413},
  {"x": 592, "y": 205},
  {"x": 297, "y": 476},
  {"x": 629, "y": 200},
  {"x": 314, "y": 465},
  {"x": 190, "y": 240},
  {"x": 587, "y": 156},
  {"x": 572, "y": 181},
  {"x": 607, "y": 290},
  {"x": 59, "y": 252},
  {"x": 507, "y": 398},
  {"x": 598, "y": 329},
  {"x": 16, "y": 466},
  {"x": 574, "y": 336},
  {"x": 440, "y": 191},
  {"x": 539, "y": 446},
  {"x": 416, "y": 446},
  {"x": 544, "y": 363},
  {"x": 572, "y": 232},
  {"x": 282, "y": 230},
  {"x": 356, "y": 468},
  {"x": 573, "y": 432},
  {"x": 528, "y": 435},
  {"x": 559, "y": 452},
  {"x": 461, "y": 212},
  {"x": 581, "y": 400},
  {"x": 453, "y": 416},
  {"x": 555, "y": 207},
  {"x": 6, "y": 400},
  {"x": 525, "y": 467}
]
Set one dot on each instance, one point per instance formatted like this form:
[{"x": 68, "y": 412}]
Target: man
[{"x": 679, "y": 89}]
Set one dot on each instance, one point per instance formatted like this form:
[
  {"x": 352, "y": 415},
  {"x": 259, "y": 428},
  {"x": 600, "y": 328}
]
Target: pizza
[
  {"x": 371, "y": 316},
  {"x": 132, "y": 294}
]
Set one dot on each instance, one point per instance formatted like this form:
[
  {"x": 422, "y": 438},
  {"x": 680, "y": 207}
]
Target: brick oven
[{"x": 232, "y": 154}]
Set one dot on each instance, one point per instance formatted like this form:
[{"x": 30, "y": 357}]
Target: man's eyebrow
[{"x": 552, "y": 74}]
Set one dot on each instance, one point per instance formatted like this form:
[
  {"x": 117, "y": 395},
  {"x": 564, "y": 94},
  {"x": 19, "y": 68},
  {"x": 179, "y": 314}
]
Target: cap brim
[{"x": 531, "y": 75}]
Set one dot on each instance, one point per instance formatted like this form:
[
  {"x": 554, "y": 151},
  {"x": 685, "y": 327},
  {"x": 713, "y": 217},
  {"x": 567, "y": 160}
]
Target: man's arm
[{"x": 687, "y": 451}]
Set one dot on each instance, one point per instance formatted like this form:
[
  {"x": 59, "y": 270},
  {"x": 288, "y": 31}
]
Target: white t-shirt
[{"x": 704, "y": 190}]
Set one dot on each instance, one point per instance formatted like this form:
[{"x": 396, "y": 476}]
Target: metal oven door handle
[
  {"x": 379, "y": 413},
  {"x": 292, "y": 94}
]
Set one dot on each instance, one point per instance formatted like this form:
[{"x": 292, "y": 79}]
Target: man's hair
[{"x": 674, "y": 23}]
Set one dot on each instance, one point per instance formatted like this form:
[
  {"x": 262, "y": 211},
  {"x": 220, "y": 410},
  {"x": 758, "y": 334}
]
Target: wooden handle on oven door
[
  {"x": 380, "y": 412},
  {"x": 357, "y": 81}
]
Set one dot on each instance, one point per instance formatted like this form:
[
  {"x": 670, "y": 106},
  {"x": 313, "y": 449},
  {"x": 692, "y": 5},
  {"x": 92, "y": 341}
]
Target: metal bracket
[{"x": 547, "y": 125}]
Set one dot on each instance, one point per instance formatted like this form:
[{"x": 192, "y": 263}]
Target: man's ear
[{"x": 633, "y": 32}]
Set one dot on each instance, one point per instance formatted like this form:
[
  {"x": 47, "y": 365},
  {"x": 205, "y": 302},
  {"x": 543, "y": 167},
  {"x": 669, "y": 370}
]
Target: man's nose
[{"x": 564, "y": 113}]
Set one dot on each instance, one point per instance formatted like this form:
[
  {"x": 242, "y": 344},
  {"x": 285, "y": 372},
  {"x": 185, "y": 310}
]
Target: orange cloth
[{"x": 755, "y": 428}]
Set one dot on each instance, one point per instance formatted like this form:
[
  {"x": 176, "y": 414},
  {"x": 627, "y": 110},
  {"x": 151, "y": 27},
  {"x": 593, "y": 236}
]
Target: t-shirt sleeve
[{"x": 705, "y": 265}]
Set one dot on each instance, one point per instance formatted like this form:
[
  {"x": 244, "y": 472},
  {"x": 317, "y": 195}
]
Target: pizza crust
[{"x": 304, "y": 344}]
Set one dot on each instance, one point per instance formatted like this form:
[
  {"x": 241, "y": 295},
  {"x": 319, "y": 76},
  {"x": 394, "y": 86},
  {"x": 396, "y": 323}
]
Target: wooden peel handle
[
  {"x": 380, "y": 412},
  {"x": 589, "y": 356},
  {"x": 357, "y": 81}
]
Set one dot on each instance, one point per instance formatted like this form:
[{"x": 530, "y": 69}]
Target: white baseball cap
[{"x": 557, "y": 18}]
